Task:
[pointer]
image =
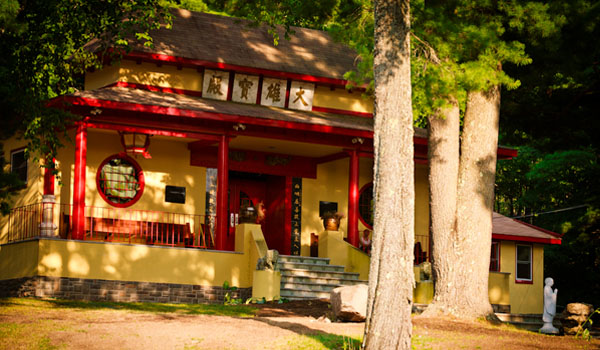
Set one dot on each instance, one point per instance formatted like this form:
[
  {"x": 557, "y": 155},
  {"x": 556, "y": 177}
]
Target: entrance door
[
  {"x": 250, "y": 189},
  {"x": 243, "y": 191}
]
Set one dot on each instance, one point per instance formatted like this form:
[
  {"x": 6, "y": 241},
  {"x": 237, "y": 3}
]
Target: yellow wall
[
  {"x": 147, "y": 74},
  {"x": 331, "y": 185},
  {"x": 340, "y": 98},
  {"x": 169, "y": 165},
  {"x": 190, "y": 79},
  {"x": 18, "y": 260},
  {"x": 499, "y": 288},
  {"x": 111, "y": 261},
  {"x": 35, "y": 183},
  {"x": 524, "y": 298},
  {"x": 340, "y": 252}
]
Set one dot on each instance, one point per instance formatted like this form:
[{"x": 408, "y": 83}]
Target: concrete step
[
  {"x": 325, "y": 280},
  {"x": 531, "y": 322},
  {"x": 309, "y": 266},
  {"x": 317, "y": 287},
  {"x": 292, "y": 294},
  {"x": 318, "y": 274},
  {"x": 304, "y": 259}
]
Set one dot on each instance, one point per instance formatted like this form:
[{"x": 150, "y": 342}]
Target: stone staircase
[{"x": 311, "y": 278}]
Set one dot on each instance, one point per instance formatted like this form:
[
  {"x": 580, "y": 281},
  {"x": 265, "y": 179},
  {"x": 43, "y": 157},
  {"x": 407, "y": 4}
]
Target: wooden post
[
  {"x": 222, "y": 188},
  {"x": 79, "y": 182},
  {"x": 353, "y": 199},
  {"x": 49, "y": 179}
]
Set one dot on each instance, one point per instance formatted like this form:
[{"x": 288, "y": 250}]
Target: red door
[{"x": 243, "y": 192}]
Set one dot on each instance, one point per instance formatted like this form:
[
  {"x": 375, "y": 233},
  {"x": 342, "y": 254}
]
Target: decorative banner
[
  {"x": 301, "y": 95},
  {"x": 215, "y": 84},
  {"x": 273, "y": 92},
  {"x": 296, "y": 214},
  {"x": 245, "y": 88}
]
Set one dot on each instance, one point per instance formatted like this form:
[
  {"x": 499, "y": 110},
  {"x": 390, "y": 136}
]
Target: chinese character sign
[
  {"x": 296, "y": 215},
  {"x": 301, "y": 95},
  {"x": 245, "y": 88},
  {"x": 273, "y": 92},
  {"x": 215, "y": 84}
]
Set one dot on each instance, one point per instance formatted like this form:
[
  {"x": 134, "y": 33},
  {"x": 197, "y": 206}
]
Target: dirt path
[{"x": 284, "y": 326}]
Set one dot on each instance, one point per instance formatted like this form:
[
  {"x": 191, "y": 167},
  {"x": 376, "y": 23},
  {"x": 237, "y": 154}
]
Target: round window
[
  {"x": 120, "y": 180},
  {"x": 365, "y": 205}
]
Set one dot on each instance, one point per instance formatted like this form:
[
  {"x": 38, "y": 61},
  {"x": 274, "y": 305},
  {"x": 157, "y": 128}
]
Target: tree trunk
[
  {"x": 443, "y": 155},
  {"x": 391, "y": 279},
  {"x": 477, "y": 173}
]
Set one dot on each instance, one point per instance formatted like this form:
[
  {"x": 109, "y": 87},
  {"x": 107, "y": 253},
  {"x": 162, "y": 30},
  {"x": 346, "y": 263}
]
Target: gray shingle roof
[{"x": 214, "y": 38}]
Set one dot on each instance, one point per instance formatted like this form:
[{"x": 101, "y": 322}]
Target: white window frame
[{"x": 530, "y": 261}]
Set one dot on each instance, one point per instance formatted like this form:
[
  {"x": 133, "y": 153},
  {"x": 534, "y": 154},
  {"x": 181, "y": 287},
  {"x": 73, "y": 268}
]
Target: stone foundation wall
[{"x": 120, "y": 291}]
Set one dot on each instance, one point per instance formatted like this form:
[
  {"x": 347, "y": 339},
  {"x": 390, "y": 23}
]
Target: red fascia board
[
  {"x": 507, "y": 153},
  {"x": 525, "y": 239},
  {"x": 558, "y": 235},
  {"x": 153, "y": 131},
  {"x": 171, "y": 111},
  {"x": 154, "y": 58}
]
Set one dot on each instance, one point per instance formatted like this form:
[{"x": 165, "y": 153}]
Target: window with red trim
[
  {"x": 495, "y": 257},
  {"x": 120, "y": 180},
  {"x": 365, "y": 205}
]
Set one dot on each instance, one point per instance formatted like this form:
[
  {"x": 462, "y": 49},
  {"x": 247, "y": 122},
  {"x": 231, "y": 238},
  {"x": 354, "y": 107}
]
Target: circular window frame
[
  {"x": 138, "y": 171},
  {"x": 360, "y": 216}
]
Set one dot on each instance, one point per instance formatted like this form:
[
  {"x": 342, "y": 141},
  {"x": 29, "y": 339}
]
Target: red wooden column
[
  {"x": 79, "y": 182},
  {"x": 49, "y": 179},
  {"x": 222, "y": 188},
  {"x": 353, "y": 199}
]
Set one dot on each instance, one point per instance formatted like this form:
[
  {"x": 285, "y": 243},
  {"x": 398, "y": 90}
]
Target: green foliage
[
  {"x": 584, "y": 330},
  {"x": 48, "y": 45},
  {"x": 228, "y": 299}
]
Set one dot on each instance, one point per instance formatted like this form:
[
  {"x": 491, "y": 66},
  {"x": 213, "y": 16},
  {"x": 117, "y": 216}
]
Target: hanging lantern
[{"x": 135, "y": 143}]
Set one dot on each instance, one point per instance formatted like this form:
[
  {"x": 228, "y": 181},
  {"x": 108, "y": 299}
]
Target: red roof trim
[
  {"x": 153, "y": 57},
  {"x": 507, "y": 153},
  {"x": 342, "y": 111},
  {"x": 172, "y": 111},
  {"x": 525, "y": 239}
]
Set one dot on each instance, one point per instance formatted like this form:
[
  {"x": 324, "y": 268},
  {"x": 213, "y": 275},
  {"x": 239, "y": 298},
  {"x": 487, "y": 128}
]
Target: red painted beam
[
  {"x": 153, "y": 131},
  {"x": 232, "y": 118},
  {"x": 222, "y": 197},
  {"x": 79, "y": 182},
  {"x": 49, "y": 179},
  {"x": 353, "y": 199},
  {"x": 526, "y": 239}
]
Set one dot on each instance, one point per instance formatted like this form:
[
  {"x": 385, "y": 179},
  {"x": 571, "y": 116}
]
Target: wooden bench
[{"x": 153, "y": 232}]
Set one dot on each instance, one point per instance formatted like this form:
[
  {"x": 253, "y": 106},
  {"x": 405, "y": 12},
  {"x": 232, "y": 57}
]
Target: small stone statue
[
  {"x": 549, "y": 307},
  {"x": 269, "y": 261}
]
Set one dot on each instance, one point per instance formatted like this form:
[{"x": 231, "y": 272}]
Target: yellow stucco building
[{"x": 179, "y": 144}]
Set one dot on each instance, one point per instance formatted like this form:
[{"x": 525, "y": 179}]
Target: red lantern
[{"x": 135, "y": 143}]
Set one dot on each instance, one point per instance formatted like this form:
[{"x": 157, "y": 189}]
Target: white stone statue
[{"x": 549, "y": 307}]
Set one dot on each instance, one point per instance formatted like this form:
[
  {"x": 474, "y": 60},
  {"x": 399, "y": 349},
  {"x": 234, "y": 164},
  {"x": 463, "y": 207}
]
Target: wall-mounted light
[
  {"x": 135, "y": 143},
  {"x": 239, "y": 127},
  {"x": 358, "y": 140},
  {"x": 95, "y": 111}
]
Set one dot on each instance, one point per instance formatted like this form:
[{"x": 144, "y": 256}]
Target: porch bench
[{"x": 153, "y": 232}]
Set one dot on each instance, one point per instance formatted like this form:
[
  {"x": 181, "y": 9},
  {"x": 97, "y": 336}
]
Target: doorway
[{"x": 249, "y": 189}]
